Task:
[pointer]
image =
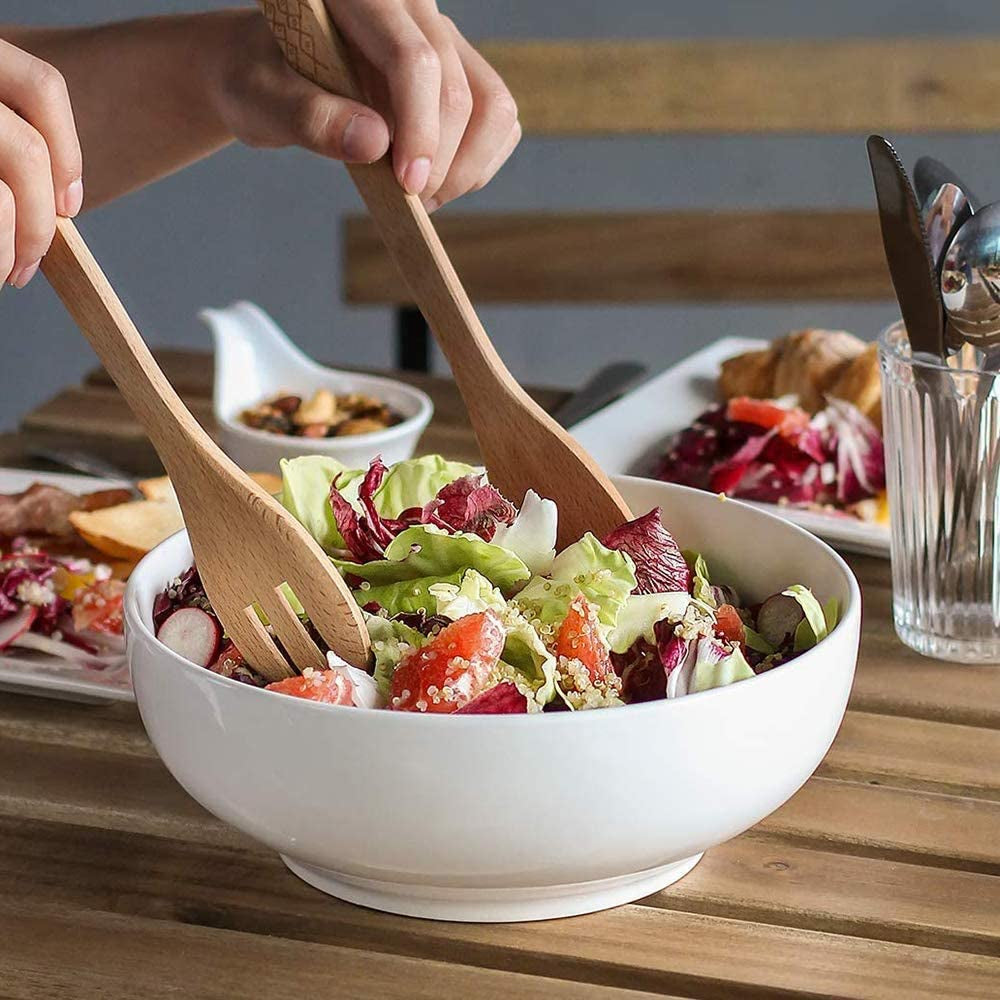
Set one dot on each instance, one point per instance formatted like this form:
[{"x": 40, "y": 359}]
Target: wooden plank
[
  {"x": 769, "y": 881},
  {"x": 947, "y": 831},
  {"x": 218, "y": 892},
  {"x": 914, "y": 753},
  {"x": 190, "y": 372},
  {"x": 102, "y": 790},
  {"x": 113, "y": 728},
  {"x": 711, "y": 86},
  {"x": 640, "y": 257},
  {"x": 49, "y": 953},
  {"x": 774, "y": 881},
  {"x": 101, "y": 413},
  {"x": 894, "y": 680}
]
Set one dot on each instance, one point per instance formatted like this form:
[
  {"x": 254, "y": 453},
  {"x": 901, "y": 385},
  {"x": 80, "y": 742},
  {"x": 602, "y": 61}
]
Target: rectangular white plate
[
  {"x": 34, "y": 673},
  {"x": 628, "y": 435}
]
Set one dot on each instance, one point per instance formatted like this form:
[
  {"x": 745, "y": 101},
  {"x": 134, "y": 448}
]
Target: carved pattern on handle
[
  {"x": 306, "y": 35},
  {"x": 294, "y": 26}
]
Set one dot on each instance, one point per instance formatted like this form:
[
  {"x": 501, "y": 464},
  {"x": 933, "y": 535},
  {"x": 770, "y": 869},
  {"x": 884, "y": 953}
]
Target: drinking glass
[{"x": 942, "y": 447}]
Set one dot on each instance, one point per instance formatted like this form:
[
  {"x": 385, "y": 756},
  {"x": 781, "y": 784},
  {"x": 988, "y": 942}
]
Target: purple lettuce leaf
[
  {"x": 659, "y": 565},
  {"x": 860, "y": 456},
  {"x": 473, "y": 505},
  {"x": 468, "y": 504},
  {"x": 645, "y": 668},
  {"x": 501, "y": 699}
]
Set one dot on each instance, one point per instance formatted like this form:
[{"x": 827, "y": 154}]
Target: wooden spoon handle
[
  {"x": 312, "y": 46},
  {"x": 89, "y": 298}
]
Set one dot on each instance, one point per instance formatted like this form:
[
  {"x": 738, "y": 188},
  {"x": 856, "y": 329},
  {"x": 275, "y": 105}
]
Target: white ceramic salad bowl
[
  {"x": 511, "y": 817},
  {"x": 254, "y": 361}
]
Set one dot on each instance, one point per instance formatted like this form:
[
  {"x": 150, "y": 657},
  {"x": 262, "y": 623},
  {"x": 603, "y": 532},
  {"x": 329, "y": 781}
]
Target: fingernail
[
  {"x": 25, "y": 275},
  {"x": 432, "y": 204},
  {"x": 74, "y": 198},
  {"x": 354, "y": 143},
  {"x": 416, "y": 175}
]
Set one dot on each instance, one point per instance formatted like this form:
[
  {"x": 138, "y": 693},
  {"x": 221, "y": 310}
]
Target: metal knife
[
  {"x": 914, "y": 276},
  {"x": 78, "y": 460},
  {"x": 604, "y": 386}
]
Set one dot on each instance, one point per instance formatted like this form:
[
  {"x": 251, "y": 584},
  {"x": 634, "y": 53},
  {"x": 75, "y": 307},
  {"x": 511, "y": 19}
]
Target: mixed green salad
[{"x": 470, "y": 608}]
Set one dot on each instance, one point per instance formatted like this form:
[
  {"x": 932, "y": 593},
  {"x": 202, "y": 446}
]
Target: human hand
[
  {"x": 41, "y": 168},
  {"x": 452, "y": 120}
]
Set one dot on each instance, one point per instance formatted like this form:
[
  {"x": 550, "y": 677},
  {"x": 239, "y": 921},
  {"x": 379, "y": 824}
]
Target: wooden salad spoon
[
  {"x": 246, "y": 545},
  {"x": 522, "y": 446}
]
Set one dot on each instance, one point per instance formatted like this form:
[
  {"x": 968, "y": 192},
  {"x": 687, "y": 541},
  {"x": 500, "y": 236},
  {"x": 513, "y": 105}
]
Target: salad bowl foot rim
[{"x": 492, "y": 905}]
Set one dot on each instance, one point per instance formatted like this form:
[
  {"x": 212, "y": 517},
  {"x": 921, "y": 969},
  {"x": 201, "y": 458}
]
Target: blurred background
[{"x": 266, "y": 226}]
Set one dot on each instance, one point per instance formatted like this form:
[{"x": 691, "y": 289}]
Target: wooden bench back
[{"x": 570, "y": 88}]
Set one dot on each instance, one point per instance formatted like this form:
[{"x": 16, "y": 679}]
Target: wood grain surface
[
  {"x": 700, "y": 256},
  {"x": 712, "y": 86},
  {"x": 880, "y": 879}
]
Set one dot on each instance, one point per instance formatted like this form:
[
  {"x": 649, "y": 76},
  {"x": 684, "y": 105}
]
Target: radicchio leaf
[
  {"x": 501, "y": 699},
  {"x": 366, "y": 534},
  {"x": 837, "y": 458},
  {"x": 659, "y": 565},
  {"x": 31, "y": 570},
  {"x": 471, "y": 504},
  {"x": 726, "y": 476},
  {"x": 468, "y": 504},
  {"x": 860, "y": 456},
  {"x": 420, "y": 621},
  {"x": 782, "y": 473},
  {"x": 672, "y": 648},
  {"x": 694, "y": 451},
  {"x": 641, "y": 671},
  {"x": 644, "y": 669}
]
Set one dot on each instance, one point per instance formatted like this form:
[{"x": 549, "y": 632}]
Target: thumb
[{"x": 294, "y": 111}]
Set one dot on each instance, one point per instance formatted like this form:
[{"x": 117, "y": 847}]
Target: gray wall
[{"x": 250, "y": 224}]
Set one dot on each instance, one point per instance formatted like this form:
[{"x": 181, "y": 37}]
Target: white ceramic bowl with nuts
[{"x": 255, "y": 363}]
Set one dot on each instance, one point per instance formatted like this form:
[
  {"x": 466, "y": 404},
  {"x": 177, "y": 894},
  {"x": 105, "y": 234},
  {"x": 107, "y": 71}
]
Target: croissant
[
  {"x": 860, "y": 383},
  {"x": 805, "y": 364},
  {"x": 812, "y": 360},
  {"x": 750, "y": 374}
]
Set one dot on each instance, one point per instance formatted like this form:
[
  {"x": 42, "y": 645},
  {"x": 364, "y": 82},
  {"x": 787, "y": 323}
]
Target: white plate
[
  {"x": 34, "y": 673},
  {"x": 627, "y": 436}
]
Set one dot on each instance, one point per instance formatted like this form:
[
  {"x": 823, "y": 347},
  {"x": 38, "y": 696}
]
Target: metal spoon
[
  {"x": 930, "y": 174},
  {"x": 945, "y": 211},
  {"x": 970, "y": 279}
]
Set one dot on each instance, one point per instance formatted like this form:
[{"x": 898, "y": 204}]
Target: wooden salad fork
[
  {"x": 522, "y": 446},
  {"x": 246, "y": 545}
]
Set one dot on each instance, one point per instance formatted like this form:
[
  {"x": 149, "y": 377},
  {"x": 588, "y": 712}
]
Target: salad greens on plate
[{"x": 471, "y": 609}]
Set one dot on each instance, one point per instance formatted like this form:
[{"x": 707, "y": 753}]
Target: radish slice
[
  {"x": 193, "y": 634},
  {"x": 12, "y": 628}
]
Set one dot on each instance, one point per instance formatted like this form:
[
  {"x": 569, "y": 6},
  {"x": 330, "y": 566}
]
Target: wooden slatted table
[{"x": 880, "y": 878}]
